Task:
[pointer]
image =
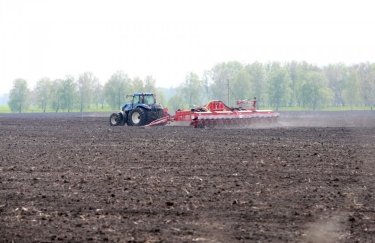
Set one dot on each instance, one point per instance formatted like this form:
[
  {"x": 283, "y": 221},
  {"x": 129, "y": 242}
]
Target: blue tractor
[{"x": 140, "y": 111}]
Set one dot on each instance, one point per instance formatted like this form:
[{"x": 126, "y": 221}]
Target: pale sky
[{"x": 169, "y": 38}]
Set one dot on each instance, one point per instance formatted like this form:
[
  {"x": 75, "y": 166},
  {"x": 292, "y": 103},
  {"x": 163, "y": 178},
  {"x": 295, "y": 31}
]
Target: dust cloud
[
  {"x": 326, "y": 230},
  {"x": 327, "y": 119}
]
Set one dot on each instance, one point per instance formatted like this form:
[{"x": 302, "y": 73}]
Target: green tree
[
  {"x": 241, "y": 85},
  {"x": 86, "y": 83},
  {"x": 99, "y": 97},
  {"x": 351, "y": 92},
  {"x": 337, "y": 75},
  {"x": 222, "y": 80},
  {"x": 298, "y": 73},
  {"x": 258, "y": 82},
  {"x": 116, "y": 89},
  {"x": 366, "y": 75},
  {"x": 137, "y": 85},
  {"x": 160, "y": 97},
  {"x": 176, "y": 102},
  {"x": 192, "y": 90},
  {"x": 278, "y": 85},
  {"x": 206, "y": 86},
  {"x": 56, "y": 93},
  {"x": 150, "y": 85},
  {"x": 43, "y": 93},
  {"x": 294, "y": 78},
  {"x": 314, "y": 90},
  {"x": 18, "y": 96},
  {"x": 67, "y": 92}
]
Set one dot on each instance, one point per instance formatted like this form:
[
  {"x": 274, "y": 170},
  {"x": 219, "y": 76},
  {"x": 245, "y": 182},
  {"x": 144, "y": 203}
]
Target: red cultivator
[
  {"x": 217, "y": 114},
  {"x": 144, "y": 111}
]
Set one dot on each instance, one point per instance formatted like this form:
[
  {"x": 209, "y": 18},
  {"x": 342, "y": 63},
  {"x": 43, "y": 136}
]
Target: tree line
[
  {"x": 275, "y": 84},
  {"x": 82, "y": 94}
]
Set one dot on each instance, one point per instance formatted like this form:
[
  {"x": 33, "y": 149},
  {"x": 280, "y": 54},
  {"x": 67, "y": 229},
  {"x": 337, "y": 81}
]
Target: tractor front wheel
[
  {"x": 137, "y": 117},
  {"x": 116, "y": 119}
]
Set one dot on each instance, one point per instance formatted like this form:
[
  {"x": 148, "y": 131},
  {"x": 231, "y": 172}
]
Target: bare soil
[{"x": 73, "y": 178}]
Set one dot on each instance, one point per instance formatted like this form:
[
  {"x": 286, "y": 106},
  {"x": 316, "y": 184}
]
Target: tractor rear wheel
[{"x": 137, "y": 117}]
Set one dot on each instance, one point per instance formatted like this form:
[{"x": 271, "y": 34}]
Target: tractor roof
[{"x": 136, "y": 94}]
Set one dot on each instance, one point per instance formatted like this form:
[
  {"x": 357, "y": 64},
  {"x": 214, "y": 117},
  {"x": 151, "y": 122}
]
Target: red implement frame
[{"x": 216, "y": 113}]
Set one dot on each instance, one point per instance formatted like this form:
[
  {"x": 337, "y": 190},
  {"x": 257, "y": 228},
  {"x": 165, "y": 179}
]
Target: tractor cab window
[
  {"x": 149, "y": 100},
  {"x": 137, "y": 99}
]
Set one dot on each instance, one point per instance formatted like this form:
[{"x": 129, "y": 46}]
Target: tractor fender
[
  {"x": 143, "y": 106},
  {"x": 126, "y": 108}
]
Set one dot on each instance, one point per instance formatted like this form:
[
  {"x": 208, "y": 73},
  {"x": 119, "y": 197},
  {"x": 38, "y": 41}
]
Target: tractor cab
[{"x": 143, "y": 98}]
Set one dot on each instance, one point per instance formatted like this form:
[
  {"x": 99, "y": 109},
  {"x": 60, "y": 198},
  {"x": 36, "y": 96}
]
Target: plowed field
[{"x": 73, "y": 178}]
